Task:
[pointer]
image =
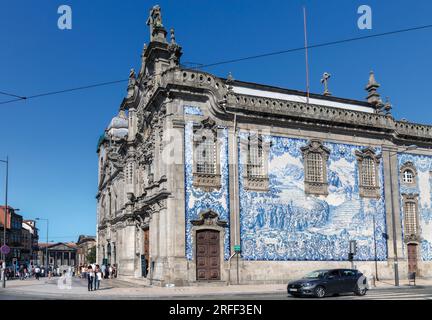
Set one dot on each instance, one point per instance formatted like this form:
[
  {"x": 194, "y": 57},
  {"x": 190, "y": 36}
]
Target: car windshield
[{"x": 315, "y": 275}]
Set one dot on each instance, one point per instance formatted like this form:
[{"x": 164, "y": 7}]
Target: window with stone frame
[
  {"x": 315, "y": 156},
  {"x": 206, "y": 156},
  {"x": 368, "y": 167},
  {"x": 410, "y": 211},
  {"x": 408, "y": 174},
  {"x": 255, "y": 151}
]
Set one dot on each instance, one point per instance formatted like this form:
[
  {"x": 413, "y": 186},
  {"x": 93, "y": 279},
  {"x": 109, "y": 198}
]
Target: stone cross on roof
[{"x": 324, "y": 80}]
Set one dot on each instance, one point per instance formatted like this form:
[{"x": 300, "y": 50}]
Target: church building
[{"x": 203, "y": 178}]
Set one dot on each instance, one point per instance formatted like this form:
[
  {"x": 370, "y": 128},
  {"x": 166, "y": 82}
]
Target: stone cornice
[{"x": 224, "y": 102}]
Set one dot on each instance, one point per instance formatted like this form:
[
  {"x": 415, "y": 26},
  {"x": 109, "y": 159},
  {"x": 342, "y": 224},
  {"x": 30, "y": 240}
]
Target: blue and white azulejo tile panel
[
  {"x": 198, "y": 200},
  {"x": 192, "y": 110},
  {"x": 422, "y": 187},
  {"x": 286, "y": 224}
]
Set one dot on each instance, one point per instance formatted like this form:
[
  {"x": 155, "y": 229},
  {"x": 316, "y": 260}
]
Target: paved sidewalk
[{"x": 121, "y": 289}]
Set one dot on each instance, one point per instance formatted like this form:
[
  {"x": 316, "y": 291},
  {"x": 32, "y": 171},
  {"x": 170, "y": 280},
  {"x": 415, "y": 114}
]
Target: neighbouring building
[
  {"x": 13, "y": 224},
  {"x": 61, "y": 254},
  {"x": 85, "y": 245},
  {"x": 195, "y": 165},
  {"x": 30, "y": 240}
]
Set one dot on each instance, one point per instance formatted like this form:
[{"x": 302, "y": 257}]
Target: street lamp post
[
  {"x": 46, "y": 249},
  {"x": 375, "y": 249},
  {"x": 4, "y": 222},
  {"x": 395, "y": 260}
]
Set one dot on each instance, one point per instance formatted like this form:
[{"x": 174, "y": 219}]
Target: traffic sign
[
  {"x": 5, "y": 249},
  {"x": 237, "y": 248}
]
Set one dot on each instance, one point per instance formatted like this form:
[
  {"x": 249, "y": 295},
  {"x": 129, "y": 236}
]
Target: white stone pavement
[{"x": 115, "y": 289}]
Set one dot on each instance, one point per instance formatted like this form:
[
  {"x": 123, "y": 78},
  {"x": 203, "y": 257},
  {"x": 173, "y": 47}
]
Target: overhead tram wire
[{"x": 198, "y": 67}]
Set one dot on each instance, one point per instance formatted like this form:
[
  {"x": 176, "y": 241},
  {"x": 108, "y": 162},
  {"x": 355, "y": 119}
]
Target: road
[{"x": 109, "y": 291}]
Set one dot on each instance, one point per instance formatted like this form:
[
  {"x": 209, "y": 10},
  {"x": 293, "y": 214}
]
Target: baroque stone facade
[{"x": 195, "y": 165}]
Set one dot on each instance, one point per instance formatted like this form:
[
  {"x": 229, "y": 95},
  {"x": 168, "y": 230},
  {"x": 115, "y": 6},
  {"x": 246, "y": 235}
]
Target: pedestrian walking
[
  {"x": 98, "y": 277},
  {"x": 110, "y": 270},
  {"x": 37, "y": 272},
  {"x": 90, "y": 277}
]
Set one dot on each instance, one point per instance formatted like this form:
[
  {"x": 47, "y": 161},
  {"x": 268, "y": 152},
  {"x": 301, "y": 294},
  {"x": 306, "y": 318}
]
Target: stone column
[
  {"x": 233, "y": 161},
  {"x": 391, "y": 183}
]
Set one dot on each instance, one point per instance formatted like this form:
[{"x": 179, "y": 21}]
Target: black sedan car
[{"x": 321, "y": 283}]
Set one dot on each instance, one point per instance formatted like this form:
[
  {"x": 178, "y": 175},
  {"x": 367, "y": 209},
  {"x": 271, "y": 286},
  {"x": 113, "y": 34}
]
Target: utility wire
[
  {"x": 64, "y": 91},
  {"x": 324, "y": 44},
  {"x": 11, "y": 95}
]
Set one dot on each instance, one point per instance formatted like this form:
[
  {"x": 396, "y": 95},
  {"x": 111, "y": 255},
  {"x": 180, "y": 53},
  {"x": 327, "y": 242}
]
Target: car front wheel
[
  {"x": 320, "y": 292},
  {"x": 360, "y": 291}
]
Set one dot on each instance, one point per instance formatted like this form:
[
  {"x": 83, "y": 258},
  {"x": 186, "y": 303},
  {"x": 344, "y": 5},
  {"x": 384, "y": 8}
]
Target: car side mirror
[{"x": 330, "y": 277}]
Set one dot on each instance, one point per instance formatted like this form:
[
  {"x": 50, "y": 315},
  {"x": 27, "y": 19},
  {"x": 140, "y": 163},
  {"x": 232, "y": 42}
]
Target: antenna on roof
[{"x": 306, "y": 55}]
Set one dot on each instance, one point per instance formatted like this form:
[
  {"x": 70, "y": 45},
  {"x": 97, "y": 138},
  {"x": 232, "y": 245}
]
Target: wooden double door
[
  {"x": 208, "y": 255},
  {"x": 412, "y": 257}
]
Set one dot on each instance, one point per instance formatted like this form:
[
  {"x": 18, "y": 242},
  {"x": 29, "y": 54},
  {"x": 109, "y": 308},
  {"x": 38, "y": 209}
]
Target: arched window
[{"x": 408, "y": 176}]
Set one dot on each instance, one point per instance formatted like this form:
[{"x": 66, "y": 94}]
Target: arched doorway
[
  {"x": 208, "y": 262},
  {"x": 412, "y": 257}
]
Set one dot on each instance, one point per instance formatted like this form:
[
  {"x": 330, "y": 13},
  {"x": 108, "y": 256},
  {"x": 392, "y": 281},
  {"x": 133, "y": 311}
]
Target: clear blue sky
[{"x": 51, "y": 141}]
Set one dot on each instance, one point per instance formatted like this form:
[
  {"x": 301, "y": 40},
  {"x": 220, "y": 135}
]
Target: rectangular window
[
  {"x": 206, "y": 156},
  {"x": 314, "y": 167},
  {"x": 255, "y": 157},
  {"x": 368, "y": 173},
  {"x": 410, "y": 218}
]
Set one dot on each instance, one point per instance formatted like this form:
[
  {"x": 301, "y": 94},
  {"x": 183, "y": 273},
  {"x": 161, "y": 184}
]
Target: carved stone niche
[
  {"x": 410, "y": 169},
  {"x": 209, "y": 218},
  {"x": 371, "y": 190},
  {"x": 315, "y": 186},
  {"x": 207, "y": 181}
]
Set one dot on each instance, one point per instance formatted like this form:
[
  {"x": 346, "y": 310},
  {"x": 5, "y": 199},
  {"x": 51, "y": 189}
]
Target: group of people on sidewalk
[{"x": 94, "y": 274}]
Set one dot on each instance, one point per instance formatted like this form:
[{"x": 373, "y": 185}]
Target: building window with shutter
[
  {"x": 368, "y": 163},
  {"x": 315, "y": 156}
]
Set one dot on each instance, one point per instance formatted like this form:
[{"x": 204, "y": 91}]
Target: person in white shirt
[{"x": 98, "y": 277}]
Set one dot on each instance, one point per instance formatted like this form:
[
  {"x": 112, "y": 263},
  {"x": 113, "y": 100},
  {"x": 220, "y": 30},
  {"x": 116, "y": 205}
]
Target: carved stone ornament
[
  {"x": 209, "y": 218},
  {"x": 412, "y": 238}
]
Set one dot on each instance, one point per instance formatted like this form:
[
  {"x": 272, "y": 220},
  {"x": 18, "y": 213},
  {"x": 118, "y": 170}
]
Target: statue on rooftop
[{"x": 155, "y": 18}]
